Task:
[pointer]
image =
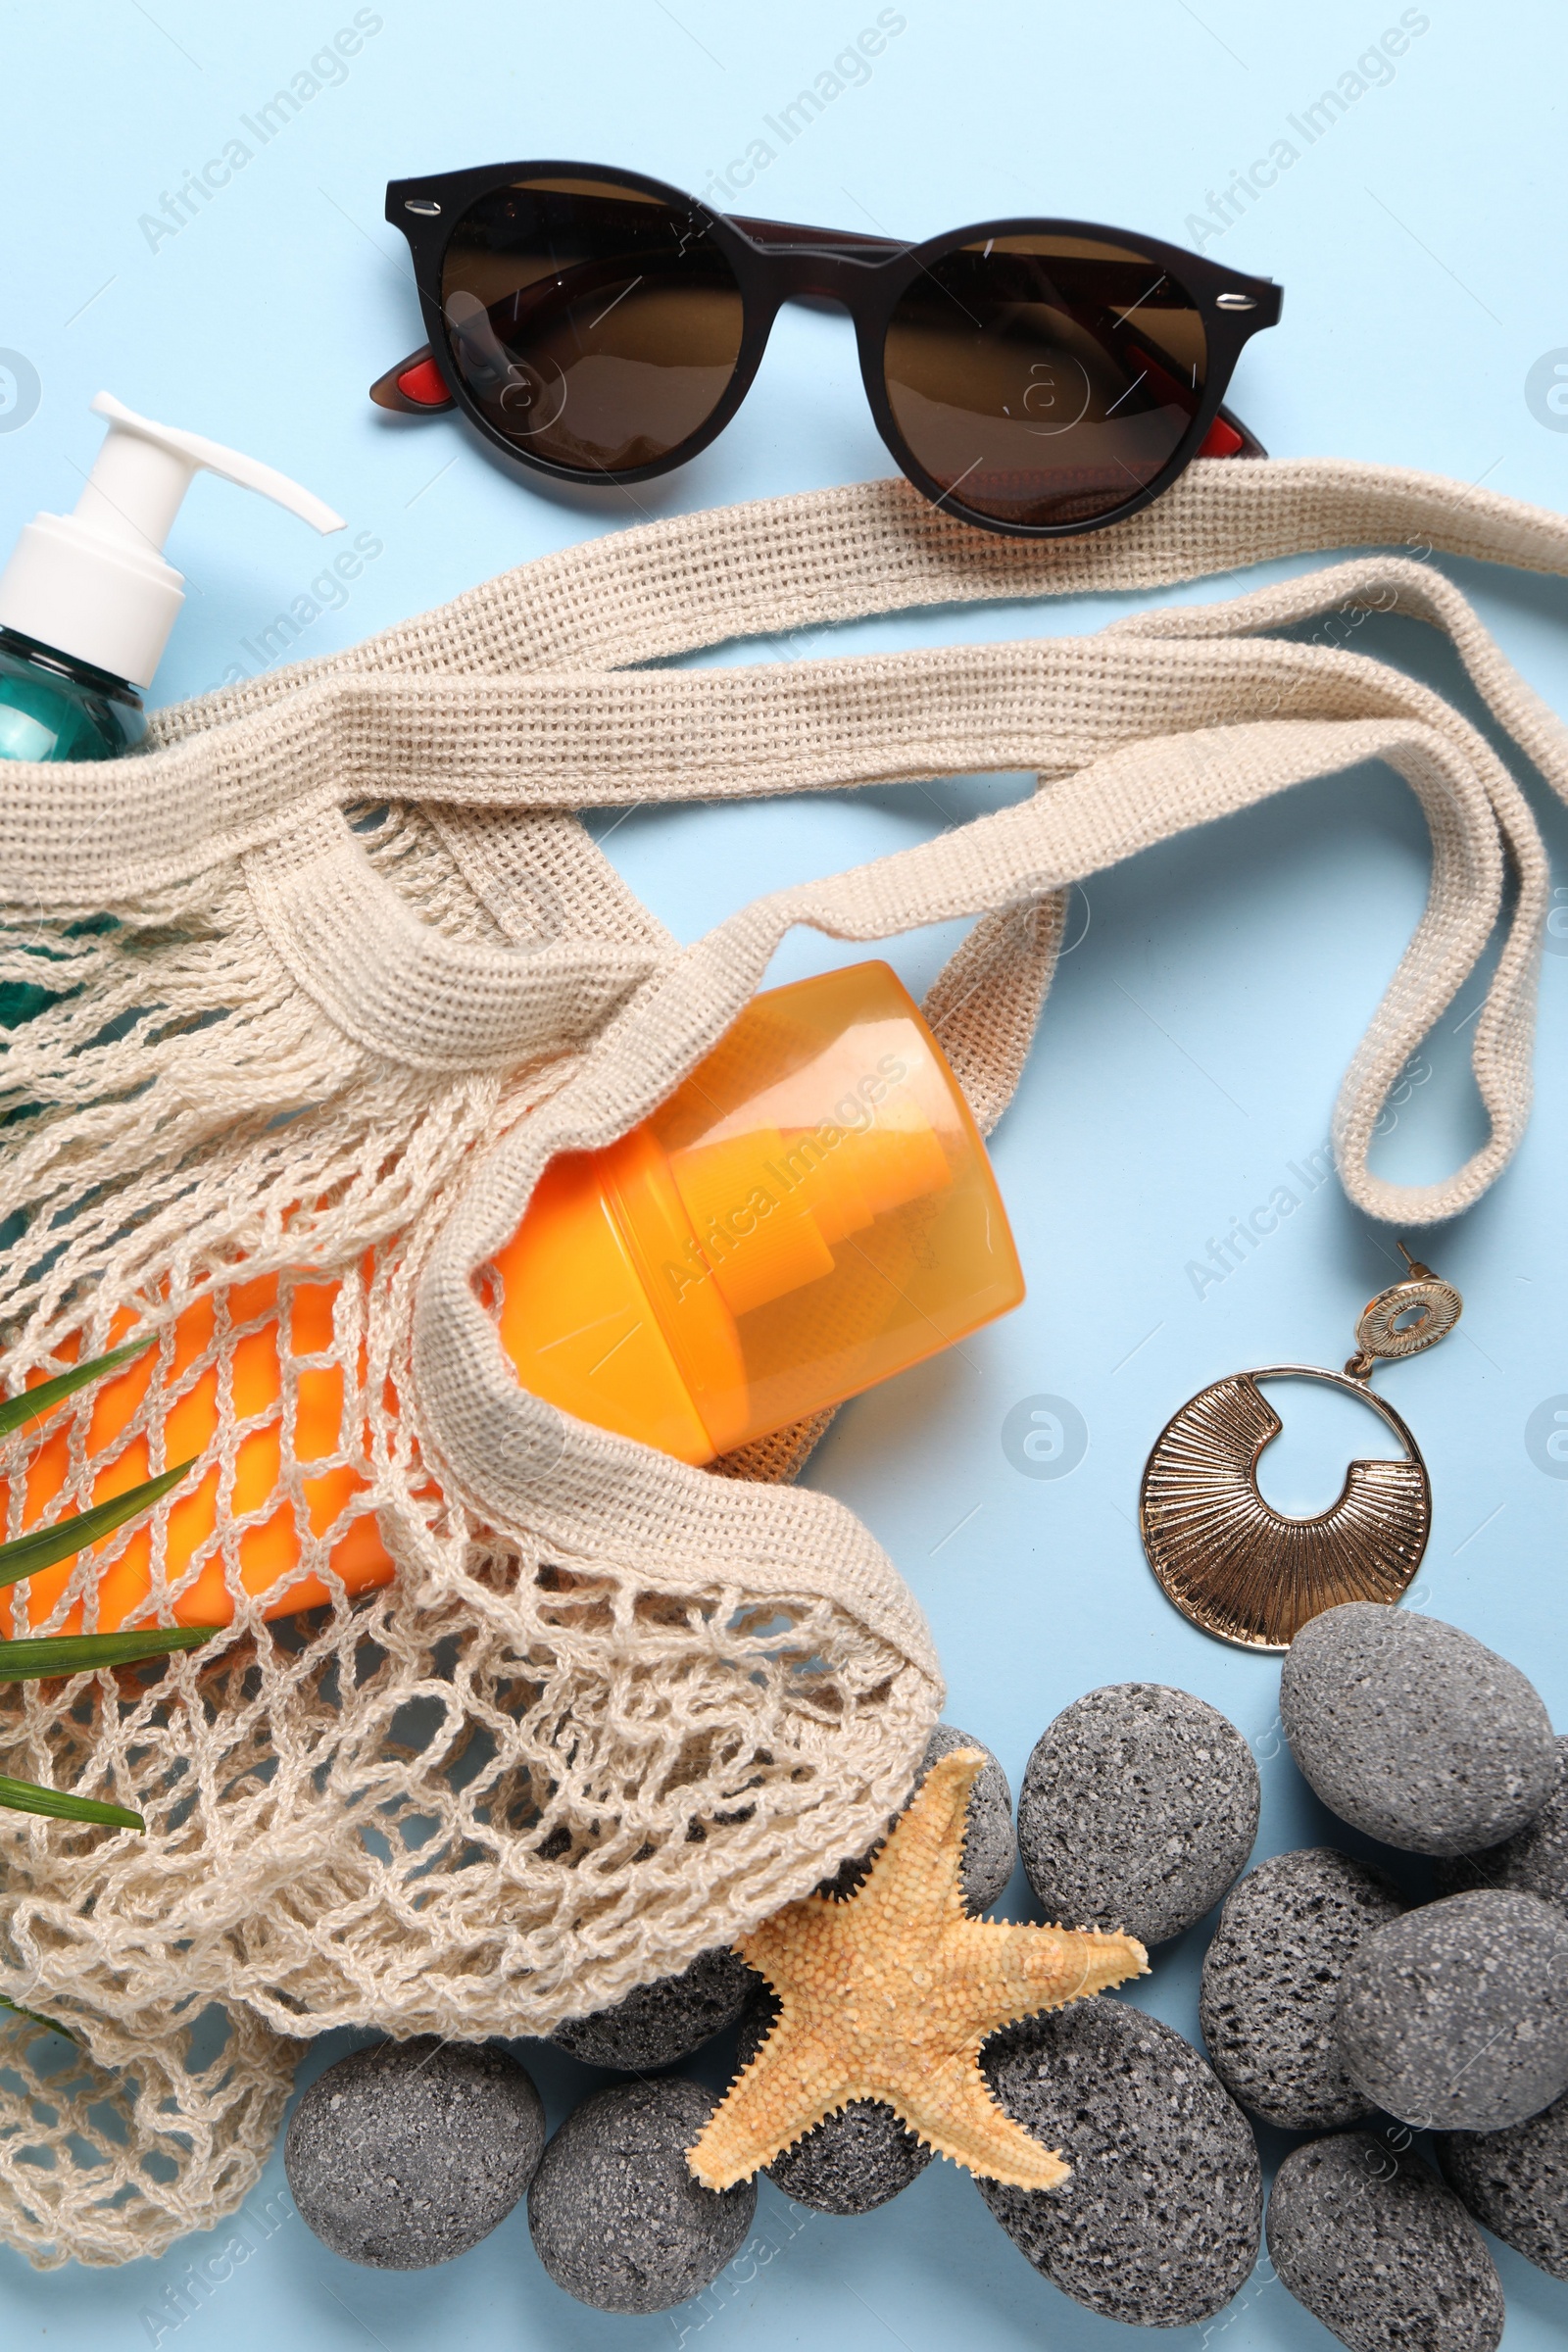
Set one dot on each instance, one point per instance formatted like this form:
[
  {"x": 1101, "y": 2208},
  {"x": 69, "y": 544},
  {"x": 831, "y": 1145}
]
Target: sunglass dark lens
[
  {"x": 593, "y": 324},
  {"x": 1043, "y": 380}
]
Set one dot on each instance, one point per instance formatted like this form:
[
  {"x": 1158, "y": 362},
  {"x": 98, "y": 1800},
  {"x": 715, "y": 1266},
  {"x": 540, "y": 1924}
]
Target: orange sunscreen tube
[
  {"x": 812, "y": 1211},
  {"x": 253, "y": 1499}
]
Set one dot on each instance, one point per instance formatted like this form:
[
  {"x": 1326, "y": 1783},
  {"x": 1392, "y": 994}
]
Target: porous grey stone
[
  {"x": 1516, "y": 2181},
  {"x": 661, "y": 2023},
  {"x": 987, "y": 1843},
  {"x": 1159, "y": 2225},
  {"x": 1456, "y": 2017},
  {"x": 1138, "y": 1809},
  {"x": 1375, "y": 2246},
  {"x": 616, "y": 2217},
  {"x": 1413, "y": 1731},
  {"x": 409, "y": 2153},
  {"x": 989, "y": 1848},
  {"x": 1535, "y": 1862},
  {"x": 851, "y": 2162},
  {"x": 1271, "y": 1984}
]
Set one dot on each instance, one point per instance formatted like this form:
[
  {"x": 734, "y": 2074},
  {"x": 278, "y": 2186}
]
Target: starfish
[{"x": 889, "y": 1994}]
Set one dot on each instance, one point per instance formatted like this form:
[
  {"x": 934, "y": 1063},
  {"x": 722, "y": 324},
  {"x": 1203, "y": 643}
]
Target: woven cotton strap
[{"x": 266, "y": 766}]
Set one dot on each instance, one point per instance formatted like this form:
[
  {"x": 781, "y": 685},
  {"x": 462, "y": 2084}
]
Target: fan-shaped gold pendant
[{"x": 1243, "y": 1570}]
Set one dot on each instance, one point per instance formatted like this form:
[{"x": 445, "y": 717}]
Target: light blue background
[{"x": 1216, "y": 987}]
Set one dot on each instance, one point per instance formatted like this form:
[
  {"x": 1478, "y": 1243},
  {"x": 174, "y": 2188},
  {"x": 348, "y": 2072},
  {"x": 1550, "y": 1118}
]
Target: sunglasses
[{"x": 1037, "y": 378}]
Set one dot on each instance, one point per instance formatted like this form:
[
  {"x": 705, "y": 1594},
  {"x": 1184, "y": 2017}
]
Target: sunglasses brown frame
[{"x": 776, "y": 262}]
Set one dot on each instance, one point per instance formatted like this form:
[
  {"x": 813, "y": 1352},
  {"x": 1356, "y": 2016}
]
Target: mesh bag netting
[{"x": 331, "y": 972}]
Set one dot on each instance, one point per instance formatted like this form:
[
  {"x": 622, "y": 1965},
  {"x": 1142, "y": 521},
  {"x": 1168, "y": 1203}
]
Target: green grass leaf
[
  {"x": 53, "y": 2023},
  {"x": 82, "y": 1654},
  {"x": 44, "y": 1546},
  {"x": 76, "y": 1653},
  {"x": 16, "y": 1410},
  {"x": 25, "y": 1797}
]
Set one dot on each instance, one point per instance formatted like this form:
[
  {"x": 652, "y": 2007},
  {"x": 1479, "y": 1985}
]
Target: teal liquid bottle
[
  {"x": 53, "y": 707},
  {"x": 87, "y": 602}
]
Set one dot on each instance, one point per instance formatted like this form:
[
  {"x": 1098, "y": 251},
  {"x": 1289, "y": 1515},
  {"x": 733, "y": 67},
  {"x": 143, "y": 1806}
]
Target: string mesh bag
[{"x": 334, "y": 970}]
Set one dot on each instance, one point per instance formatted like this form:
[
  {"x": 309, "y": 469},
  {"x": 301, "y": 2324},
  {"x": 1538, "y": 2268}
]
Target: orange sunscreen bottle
[{"x": 810, "y": 1212}]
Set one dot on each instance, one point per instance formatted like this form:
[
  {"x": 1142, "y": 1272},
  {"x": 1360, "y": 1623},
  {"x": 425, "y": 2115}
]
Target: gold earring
[{"x": 1243, "y": 1570}]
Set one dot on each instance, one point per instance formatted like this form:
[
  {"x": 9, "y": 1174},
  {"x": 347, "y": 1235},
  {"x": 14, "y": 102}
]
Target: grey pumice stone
[
  {"x": 853, "y": 2161},
  {"x": 1271, "y": 1984},
  {"x": 657, "y": 2023},
  {"x": 1533, "y": 1862},
  {"x": 988, "y": 1842},
  {"x": 989, "y": 1847},
  {"x": 1159, "y": 2224},
  {"x": 1516, "y": 2181},
  {"x": 617, "y": 2218},
  {"x": 1456, "y": 2017},
  {"x": 1375, "y": 2246},
  {"x": 1413, "y": 1731},
  {"x": 410, "y": 2153},
  {"x": 1139, "y": 1807}
]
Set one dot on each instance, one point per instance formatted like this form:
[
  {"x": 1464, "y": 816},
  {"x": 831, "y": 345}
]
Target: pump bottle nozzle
[{"x": 94, "y": 584}]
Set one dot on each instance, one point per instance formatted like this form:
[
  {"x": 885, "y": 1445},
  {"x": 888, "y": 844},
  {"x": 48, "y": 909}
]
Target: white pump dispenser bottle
[{"x": 87, "y": 599}]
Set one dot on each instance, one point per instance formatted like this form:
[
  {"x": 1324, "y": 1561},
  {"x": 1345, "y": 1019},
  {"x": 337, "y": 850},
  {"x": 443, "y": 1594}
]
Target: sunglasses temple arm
[
  {"x": 1229, "y": 437},
  {"x": 415, "y": 387}
]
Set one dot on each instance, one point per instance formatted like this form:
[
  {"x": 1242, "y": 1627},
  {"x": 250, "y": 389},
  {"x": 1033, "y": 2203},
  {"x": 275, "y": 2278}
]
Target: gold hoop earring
[{"x": 1243, "y": 1571}]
